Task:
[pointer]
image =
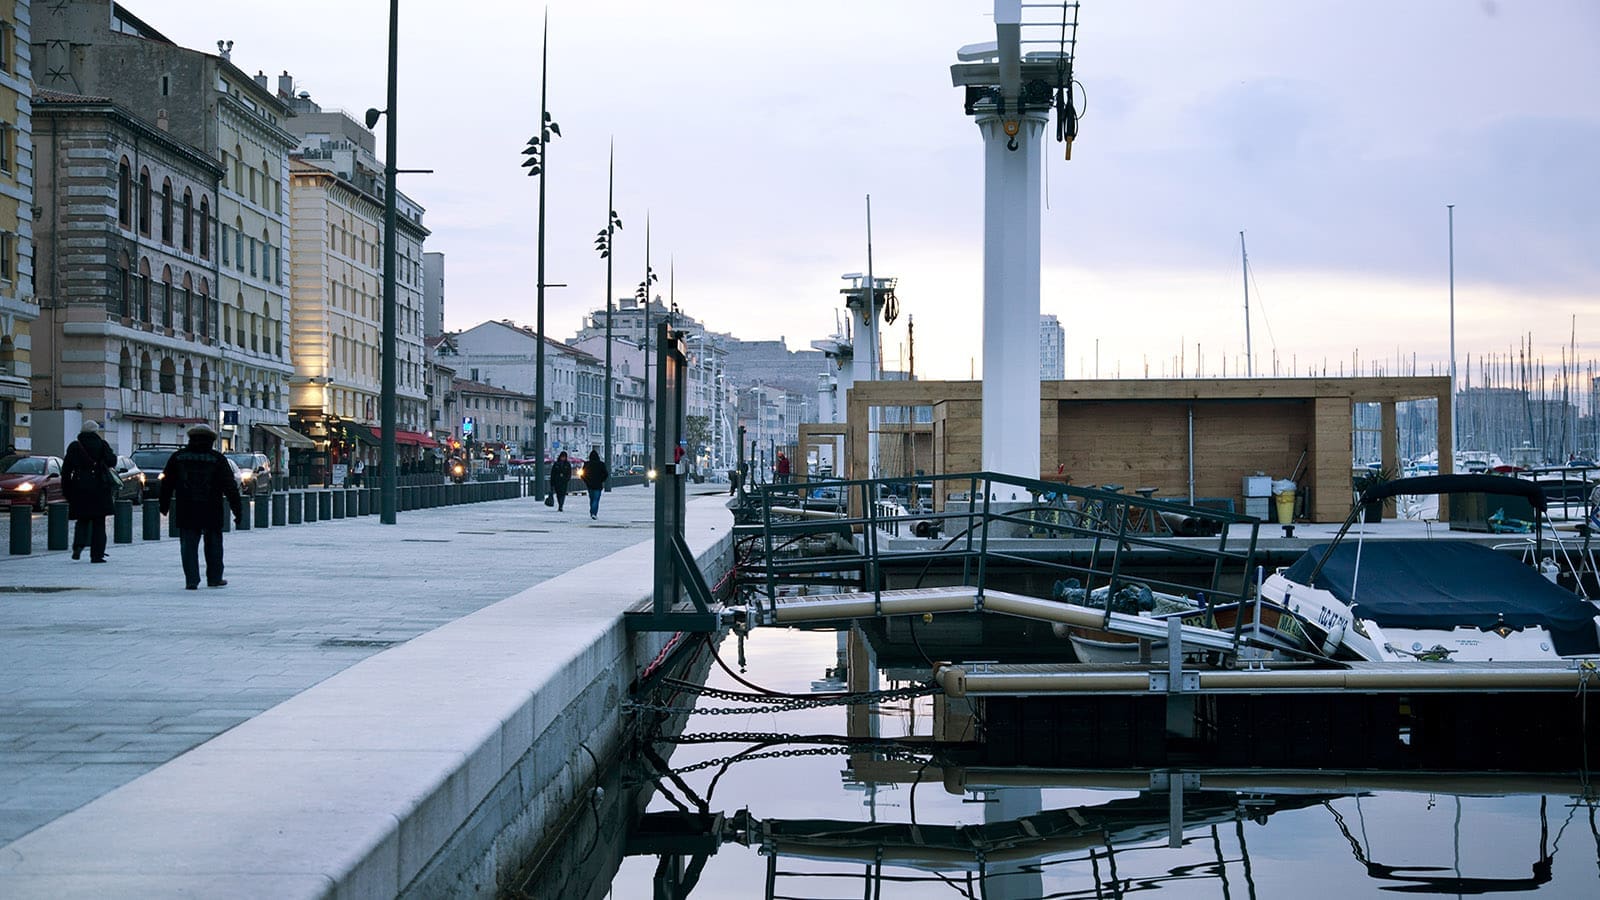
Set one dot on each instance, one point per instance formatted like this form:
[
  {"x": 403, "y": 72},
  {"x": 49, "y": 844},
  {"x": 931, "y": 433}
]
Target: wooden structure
[{"x": 1156, "y": 432}]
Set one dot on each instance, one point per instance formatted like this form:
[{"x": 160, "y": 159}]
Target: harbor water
[{"x": 826, "y": 802}]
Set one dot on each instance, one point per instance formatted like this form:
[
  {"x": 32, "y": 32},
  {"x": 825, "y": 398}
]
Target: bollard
[
  {"x": 312, "y": 507},
  {"x": 246, "y": 517},
  {"x": 227, "y": 516},
  {"x": 438, "y": 495},
  {"x": 152, "y": 521},
  {"x": 172, "y": 520},
  {"x": 352, "y": 503},
  {"x": 21, "y": 530},
  {"x": 363, "y": 505},
  {"x": 56, "y": 527},
  {"x": 280, "y": 508},
  {"x": 264, "y": 510},
  {"x": 374, "y": 506},
  {"x": 337, "y": 510},
  {"x": 408, "y": 498},
  {"x": 325, "y": 505},
  {"x": 122, "y": 521},
  {"x": 297, "y": 501}
]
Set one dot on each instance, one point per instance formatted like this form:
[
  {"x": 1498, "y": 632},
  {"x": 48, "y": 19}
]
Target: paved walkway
[{"x": 111, "y": 670}]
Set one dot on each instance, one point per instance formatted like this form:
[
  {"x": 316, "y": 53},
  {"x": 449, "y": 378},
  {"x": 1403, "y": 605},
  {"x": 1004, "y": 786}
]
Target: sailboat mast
[{"x": 1244, "y": 264}]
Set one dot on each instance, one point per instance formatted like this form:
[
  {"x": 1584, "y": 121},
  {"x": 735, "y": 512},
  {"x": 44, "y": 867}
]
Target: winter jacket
[
  {"x": 595, "y": 473},
  {"x": 85, "y": 475},
  {"x": 195, "y": 483},
  {"x": 560, "y": 475}
]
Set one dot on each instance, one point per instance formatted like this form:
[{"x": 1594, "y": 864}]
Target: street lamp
[
  {"x": 604, "y": 242},
  {"x": 642, "y": 294},
  {"x": 388, "y": 490},
  {"x": 537, "y": 160}
]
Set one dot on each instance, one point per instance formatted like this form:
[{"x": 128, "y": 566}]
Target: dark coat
[
  {"x": 595, "y": 473},
  {"x": 85, "y": 475},
  {"x": 560, "y": 475},
  {"x": 195, "y": 483}
]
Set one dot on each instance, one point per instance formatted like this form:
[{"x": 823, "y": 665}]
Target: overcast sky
[{"x": 1332, "y": 133}]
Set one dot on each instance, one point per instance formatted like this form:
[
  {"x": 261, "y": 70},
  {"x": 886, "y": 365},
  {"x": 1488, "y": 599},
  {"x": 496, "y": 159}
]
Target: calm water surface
[{"x": 1060, "y": 833}]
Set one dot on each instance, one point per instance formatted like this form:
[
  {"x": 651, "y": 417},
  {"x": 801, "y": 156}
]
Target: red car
[{"x": 31, "y": 480}]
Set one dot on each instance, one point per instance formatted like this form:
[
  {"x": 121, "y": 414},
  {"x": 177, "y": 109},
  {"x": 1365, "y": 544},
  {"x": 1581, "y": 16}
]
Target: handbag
[
  {"x": 549, "y": 499},
  {"x": 112, "y": 479}
]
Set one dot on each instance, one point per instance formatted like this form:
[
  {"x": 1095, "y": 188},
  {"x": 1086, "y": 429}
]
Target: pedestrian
[
  {"x": 360, "y": 471},
  {"x": 560, "y": 477},
  {"x": 780, "y": 469},
  {"x": 87, "y": 473},
  {"x": 595, "y": 474},
  {"x": 194, "y": 485}
]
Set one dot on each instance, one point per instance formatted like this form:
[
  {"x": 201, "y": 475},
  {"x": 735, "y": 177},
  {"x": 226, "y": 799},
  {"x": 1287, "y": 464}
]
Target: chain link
[
  {"x": 887, "y": 753},
  {"x": 771, "y": 704}
]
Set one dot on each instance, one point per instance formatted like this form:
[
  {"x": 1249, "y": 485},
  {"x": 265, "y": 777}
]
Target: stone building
[
  {"x": 504, "y": 354},
  {"x": 501, "y": 419},
  {"x": 17, "y": 306},
  {"x": 130, "y": 334},
  {"x": 98, "y": 48}
]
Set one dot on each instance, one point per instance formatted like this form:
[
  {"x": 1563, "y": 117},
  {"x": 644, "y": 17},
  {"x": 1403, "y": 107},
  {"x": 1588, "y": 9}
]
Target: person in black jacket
[
  {"x": 595, "y": 474},
  {"x": 194, "y": 485},
  {"x": 560, "y": 477},
  {"x": 86, "y": 473}
]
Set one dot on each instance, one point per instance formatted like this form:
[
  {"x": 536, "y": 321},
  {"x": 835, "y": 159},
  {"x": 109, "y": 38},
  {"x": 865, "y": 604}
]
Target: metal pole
[
  {"x": 1244, "y": 264},
  {"x": 538, "y": 353},
  {"x": 1455, "y": 427},
  {"x": 647, "y": 403},
  {"x": 390, "y": 461},
  {"x": 611, "y": 252}
]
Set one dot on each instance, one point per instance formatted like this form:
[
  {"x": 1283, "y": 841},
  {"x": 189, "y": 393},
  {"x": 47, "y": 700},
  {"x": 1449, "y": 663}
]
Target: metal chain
[
  {"x": 811, "y": 751},
  {"x": 781, "y": 704},
  {"x": 916, "y": 690}
]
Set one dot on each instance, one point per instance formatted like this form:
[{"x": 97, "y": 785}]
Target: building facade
[
  {"x": 97, "y": 47},
  {"x": 432, "y": 294},
  {"x": 493, "y": 417},
  {"x": 18, "y": 308},
  {"x": 128, "y": 244},
  {"x": 1052, "y": 349},
  {"x": 505, "y": 354}
]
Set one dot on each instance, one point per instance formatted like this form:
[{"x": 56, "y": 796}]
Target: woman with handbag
[
  {"x": 88, "y": 472},
  {"x": 560, "y": 477}
]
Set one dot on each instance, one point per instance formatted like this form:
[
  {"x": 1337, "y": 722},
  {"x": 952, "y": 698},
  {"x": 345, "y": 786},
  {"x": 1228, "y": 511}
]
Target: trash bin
[{"x": 1283, "y": 498}]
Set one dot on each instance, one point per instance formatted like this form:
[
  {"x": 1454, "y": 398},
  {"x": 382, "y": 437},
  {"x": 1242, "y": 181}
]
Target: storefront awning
[
  {"x": 358, "y": 432},
  {"x": 164, "y": 420},
  {"x": 408, "y": 438},
  {"x": 289, "y": 436}
]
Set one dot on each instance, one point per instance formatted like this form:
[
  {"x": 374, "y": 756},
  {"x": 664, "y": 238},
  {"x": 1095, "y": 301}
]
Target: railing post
[{"x": 983, "y": 541}]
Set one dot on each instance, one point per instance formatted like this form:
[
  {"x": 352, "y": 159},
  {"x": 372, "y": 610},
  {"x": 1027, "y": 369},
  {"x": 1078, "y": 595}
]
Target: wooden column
[
  {"x": 1329, "y": 471},
  {"x": 1389, "y": 446}
]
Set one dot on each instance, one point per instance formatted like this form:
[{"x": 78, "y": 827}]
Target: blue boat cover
[{"x": 1442, "y": 584}]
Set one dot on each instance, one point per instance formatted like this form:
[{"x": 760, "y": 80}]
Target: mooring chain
[
  {"x": 808, "y": 751},
  {"x": 768, "y": 737},
  {"x": 916, "y": 690},
  {"x": 780, "y": 704}
]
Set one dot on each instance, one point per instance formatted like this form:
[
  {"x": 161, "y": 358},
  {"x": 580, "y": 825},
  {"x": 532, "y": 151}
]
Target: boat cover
[{"x": 1442, "y": 584}]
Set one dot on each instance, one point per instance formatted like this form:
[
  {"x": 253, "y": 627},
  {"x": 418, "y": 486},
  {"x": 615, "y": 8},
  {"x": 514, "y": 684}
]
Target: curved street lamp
[
  {"x": 537, "y": 153},
  {"x": 604, "y": 242}
]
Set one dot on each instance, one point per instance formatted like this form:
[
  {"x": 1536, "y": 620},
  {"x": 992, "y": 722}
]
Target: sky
[{"x": 749, "y": 134}]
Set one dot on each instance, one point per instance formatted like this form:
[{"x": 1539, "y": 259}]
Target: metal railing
[{"x": 1084, "y": 533}]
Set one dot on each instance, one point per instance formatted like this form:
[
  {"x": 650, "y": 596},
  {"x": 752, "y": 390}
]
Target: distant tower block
[{"x": 1010, "y": 96}]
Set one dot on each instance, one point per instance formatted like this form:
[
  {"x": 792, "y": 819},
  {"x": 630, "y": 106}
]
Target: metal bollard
[
  {"x": 325, "y": 505},
  {"x": 21, "y": 530},
  {"x": 227, "y": 516},
  {"x": 122, "y": 521},
  {"x": 264, "y": 510},
  {"x": 309, "y": 514},
  {"x": 337, "y": 510},
  {"x": 297, "y": 501},
  {"x": 152, "y": 521},
  {"x": 172, "y": 520},
  {"x": 246, "y": 516},
  {"x": 56, "y": 527},
  {"x": 280, "y": 508}
]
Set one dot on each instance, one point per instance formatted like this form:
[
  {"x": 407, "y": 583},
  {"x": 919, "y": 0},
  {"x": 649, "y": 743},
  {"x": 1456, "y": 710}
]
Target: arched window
[
  {"x": 144, "y": 202},
  {"x": 238, "y": 244},
  {"x": 166, "y": 211},
  {"x": 255, "y": 337},
  {"x": 204, "y": 314},
  {"x": 238, "y": 320},
  {"x": 146, "y": 373},
  {"x": 169, "y": 376},
  {"x": 188, "y": 379},
  {"x": 227, "y": 389},
  {"x": 125, "y": 369},
  {"x": 238, "y": 168},
  {"x": 143, "y": 313},
  {"x": 124, "y": 193},
  {"x": 186, "y": 303},
  {"x": 124, "y": 286},
  {"x": 166, "y": 296},
  {"x": 269, "y": 329},
  {"x": 205, "y": 227},
  {"x": 188, "y": 221},
  {"x": 205, "y": 379},
  {"x": 266, "y": 255}
]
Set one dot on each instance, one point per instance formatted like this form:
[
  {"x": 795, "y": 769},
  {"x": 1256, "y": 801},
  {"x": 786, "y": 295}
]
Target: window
[
  {"x": 188, "y": 378},
  {"x": 205, "y": 319},
  {"x": 8, "y": 145},
  {"x": 205, "y": 228},
  {"x": 252, "y": 257},
  {"x": 143, "y": 304},
  {"x": 8, "y": 244},
  {"x": 166, "y": 85},
  {"x": 124, "y": 286},
  {"x": 124, "y": 194},
  {"x": 125, "y": 369},
  {"x": 169, "y": 377},
  {"x": 188, "y": 221},
  {"x": 186, "y": 299},
  {"x": 146, "y": 373},
  {"x": 166, "y": 211},
  {"x": 238, "y": 247},
  {"x": 205, "y": 379},
  {"x": 225, "y": 244},
  {"x": 144, "y": 201},
  {"x": 166, "y": 296}
]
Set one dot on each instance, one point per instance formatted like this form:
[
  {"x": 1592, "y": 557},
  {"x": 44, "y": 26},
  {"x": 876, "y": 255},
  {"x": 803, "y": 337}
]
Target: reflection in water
[{"x": 781, "y": 798}]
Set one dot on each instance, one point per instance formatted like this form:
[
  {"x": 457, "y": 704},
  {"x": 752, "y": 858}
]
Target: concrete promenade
[{"x": 113, "y": 672}]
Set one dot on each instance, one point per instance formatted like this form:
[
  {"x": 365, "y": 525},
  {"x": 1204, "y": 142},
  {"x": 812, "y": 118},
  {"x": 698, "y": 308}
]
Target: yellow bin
[{"x": 1283, "y": 496}]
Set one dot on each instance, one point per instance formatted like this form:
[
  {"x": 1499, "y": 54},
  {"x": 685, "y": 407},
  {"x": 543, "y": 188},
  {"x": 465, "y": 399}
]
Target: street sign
[{"x": 467, "y": 426}]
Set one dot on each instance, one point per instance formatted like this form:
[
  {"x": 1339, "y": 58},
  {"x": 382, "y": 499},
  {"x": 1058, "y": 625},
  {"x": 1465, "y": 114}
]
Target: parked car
[
  {"x": 152, "y": 460},
  {"x": 132, "y": 480},
  {"x": 254, "y": 471},
  {"x": 31, "y": 480}
]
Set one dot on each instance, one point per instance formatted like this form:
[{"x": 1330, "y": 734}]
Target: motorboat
[{"x": 1394, "y": 600}]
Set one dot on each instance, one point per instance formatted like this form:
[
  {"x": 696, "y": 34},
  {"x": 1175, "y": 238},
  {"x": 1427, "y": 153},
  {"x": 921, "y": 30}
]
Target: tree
[{"x": 696, "y": 433}]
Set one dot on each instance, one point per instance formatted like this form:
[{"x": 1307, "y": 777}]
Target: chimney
[
  {"x": 285, "y": 85},
  {"x": 225, "y": 49},
  {"x": 261, "y": 79}
]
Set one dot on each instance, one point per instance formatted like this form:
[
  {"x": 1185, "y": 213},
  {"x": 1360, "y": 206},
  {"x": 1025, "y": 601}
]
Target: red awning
[
  {"x": 166, "y": 420},
  {"x": 412, "y": 438}
]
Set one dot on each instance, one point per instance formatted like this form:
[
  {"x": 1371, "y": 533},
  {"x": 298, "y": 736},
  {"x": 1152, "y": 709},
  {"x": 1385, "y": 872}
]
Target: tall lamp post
[
  {"x": 642, "y": 294},
  {"x": 603, "y": 242},
  {"x": 388, "y": 486},
  {"x": 1455, "y": 425},
  {"x": 537, "y": 152}
]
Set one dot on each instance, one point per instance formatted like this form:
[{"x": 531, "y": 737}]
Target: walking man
[
  {"x": 595, "y": 474},
  {"x": 194, "y": 485},
  {"x": 87, "y": 474},
  {"x": 781, "y": 469},
  {"x": 560, "y": 477}
]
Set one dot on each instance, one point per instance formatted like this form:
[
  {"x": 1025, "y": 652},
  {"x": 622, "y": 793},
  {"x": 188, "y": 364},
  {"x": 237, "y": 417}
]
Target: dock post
[{"x": 1180, "y": 705}]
